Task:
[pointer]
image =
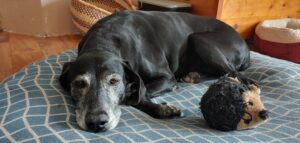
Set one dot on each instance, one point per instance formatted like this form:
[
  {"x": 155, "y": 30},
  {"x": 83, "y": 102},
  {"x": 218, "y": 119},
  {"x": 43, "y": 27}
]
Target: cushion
[{"x": 34, "y": 107}]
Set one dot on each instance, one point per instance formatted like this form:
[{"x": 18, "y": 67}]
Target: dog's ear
[
  {"x": 137, "y": 88},
  {"x": 64, "y": 78}
]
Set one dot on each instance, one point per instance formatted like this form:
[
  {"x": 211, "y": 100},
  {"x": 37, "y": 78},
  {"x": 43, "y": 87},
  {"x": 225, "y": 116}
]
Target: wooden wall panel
[
  {"x": 244, "y": 15},
  {"x": 205, "y": 7}
]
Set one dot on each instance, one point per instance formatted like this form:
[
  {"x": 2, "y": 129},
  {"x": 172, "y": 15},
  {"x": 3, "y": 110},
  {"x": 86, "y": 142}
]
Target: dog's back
[{"x": 153, "y": 40}]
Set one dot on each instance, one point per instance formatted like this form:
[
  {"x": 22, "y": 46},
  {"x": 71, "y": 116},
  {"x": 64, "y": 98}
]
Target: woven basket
[{"x": 87, "y": 12}]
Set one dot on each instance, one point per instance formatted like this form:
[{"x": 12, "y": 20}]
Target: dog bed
[
  {"x": 34, "y": 107},
  {"x": 279, "y": 38}
]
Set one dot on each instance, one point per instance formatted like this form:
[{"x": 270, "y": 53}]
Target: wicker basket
[{"x": 87, "y": 12}]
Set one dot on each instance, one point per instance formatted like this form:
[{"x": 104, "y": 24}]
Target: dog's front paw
[{"x": 168, "y": 111}]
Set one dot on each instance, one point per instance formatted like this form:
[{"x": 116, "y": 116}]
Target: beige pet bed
[{"x": 279, "y": 38}]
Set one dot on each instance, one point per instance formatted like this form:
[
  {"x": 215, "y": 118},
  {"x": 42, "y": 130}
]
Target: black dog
[
  {"x": 144, "y": 53},
  {"x": 233, "y": 102}
]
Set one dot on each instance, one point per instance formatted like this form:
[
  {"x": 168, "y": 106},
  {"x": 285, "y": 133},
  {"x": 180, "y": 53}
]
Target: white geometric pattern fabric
[{"x": 34, "y": 108}]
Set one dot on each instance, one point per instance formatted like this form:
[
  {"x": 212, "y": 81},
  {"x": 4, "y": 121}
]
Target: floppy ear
[
  {"x": 137, "y": 88},
  {"x": 64, "y": 78}
]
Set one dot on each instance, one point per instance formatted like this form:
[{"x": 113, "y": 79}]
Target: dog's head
[
  {"x": 233, "y": 102},
  {"x": 97, "y": 84}
]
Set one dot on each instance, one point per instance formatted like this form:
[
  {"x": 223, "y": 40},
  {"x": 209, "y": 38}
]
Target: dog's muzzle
[{"x": 97, "y": 123}]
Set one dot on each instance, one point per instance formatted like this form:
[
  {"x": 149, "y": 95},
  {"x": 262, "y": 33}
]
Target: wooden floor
[{"x": 17, "y": 51}]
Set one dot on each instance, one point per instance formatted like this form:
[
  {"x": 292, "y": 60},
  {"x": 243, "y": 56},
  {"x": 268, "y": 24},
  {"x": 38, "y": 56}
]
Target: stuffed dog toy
[{"x": 233, "y": 102}]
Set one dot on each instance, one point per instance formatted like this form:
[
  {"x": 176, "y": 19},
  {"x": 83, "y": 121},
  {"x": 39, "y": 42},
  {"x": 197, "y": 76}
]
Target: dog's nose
[
  {"x": 263, "y": 114},
  {"x": 99, "y": 125}
]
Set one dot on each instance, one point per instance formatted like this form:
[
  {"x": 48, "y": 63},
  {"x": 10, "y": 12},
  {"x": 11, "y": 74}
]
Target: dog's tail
[{"x": 246, "y": 64}]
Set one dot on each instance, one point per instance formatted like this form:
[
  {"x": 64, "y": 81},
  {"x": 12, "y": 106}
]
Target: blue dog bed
[{"x": 34, "y": 107}]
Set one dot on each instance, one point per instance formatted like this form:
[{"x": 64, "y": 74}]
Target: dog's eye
[
  {"x": 80, "y": 84},
  {"x": 113, "y": 81}
]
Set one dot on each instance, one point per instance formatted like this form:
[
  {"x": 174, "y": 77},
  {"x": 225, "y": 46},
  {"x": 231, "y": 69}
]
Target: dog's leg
[
  {"x": 160, "y": 111},
  {"x": 158, "y": 86},
  {"x": 207, "y": 55}
]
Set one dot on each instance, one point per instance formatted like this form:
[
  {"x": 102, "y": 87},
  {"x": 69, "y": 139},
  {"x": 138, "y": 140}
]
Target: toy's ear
[
  {"x": 64, "y": 78},
  {"x": 233, "y": 74},
  {"x": 243, "y": 79},
  {"x": 247, "y": 81},
  {"x": 137, "y": 88}
]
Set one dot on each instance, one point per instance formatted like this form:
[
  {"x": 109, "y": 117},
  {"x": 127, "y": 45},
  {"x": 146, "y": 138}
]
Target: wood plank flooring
[{"x": 17, "y": 51}]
